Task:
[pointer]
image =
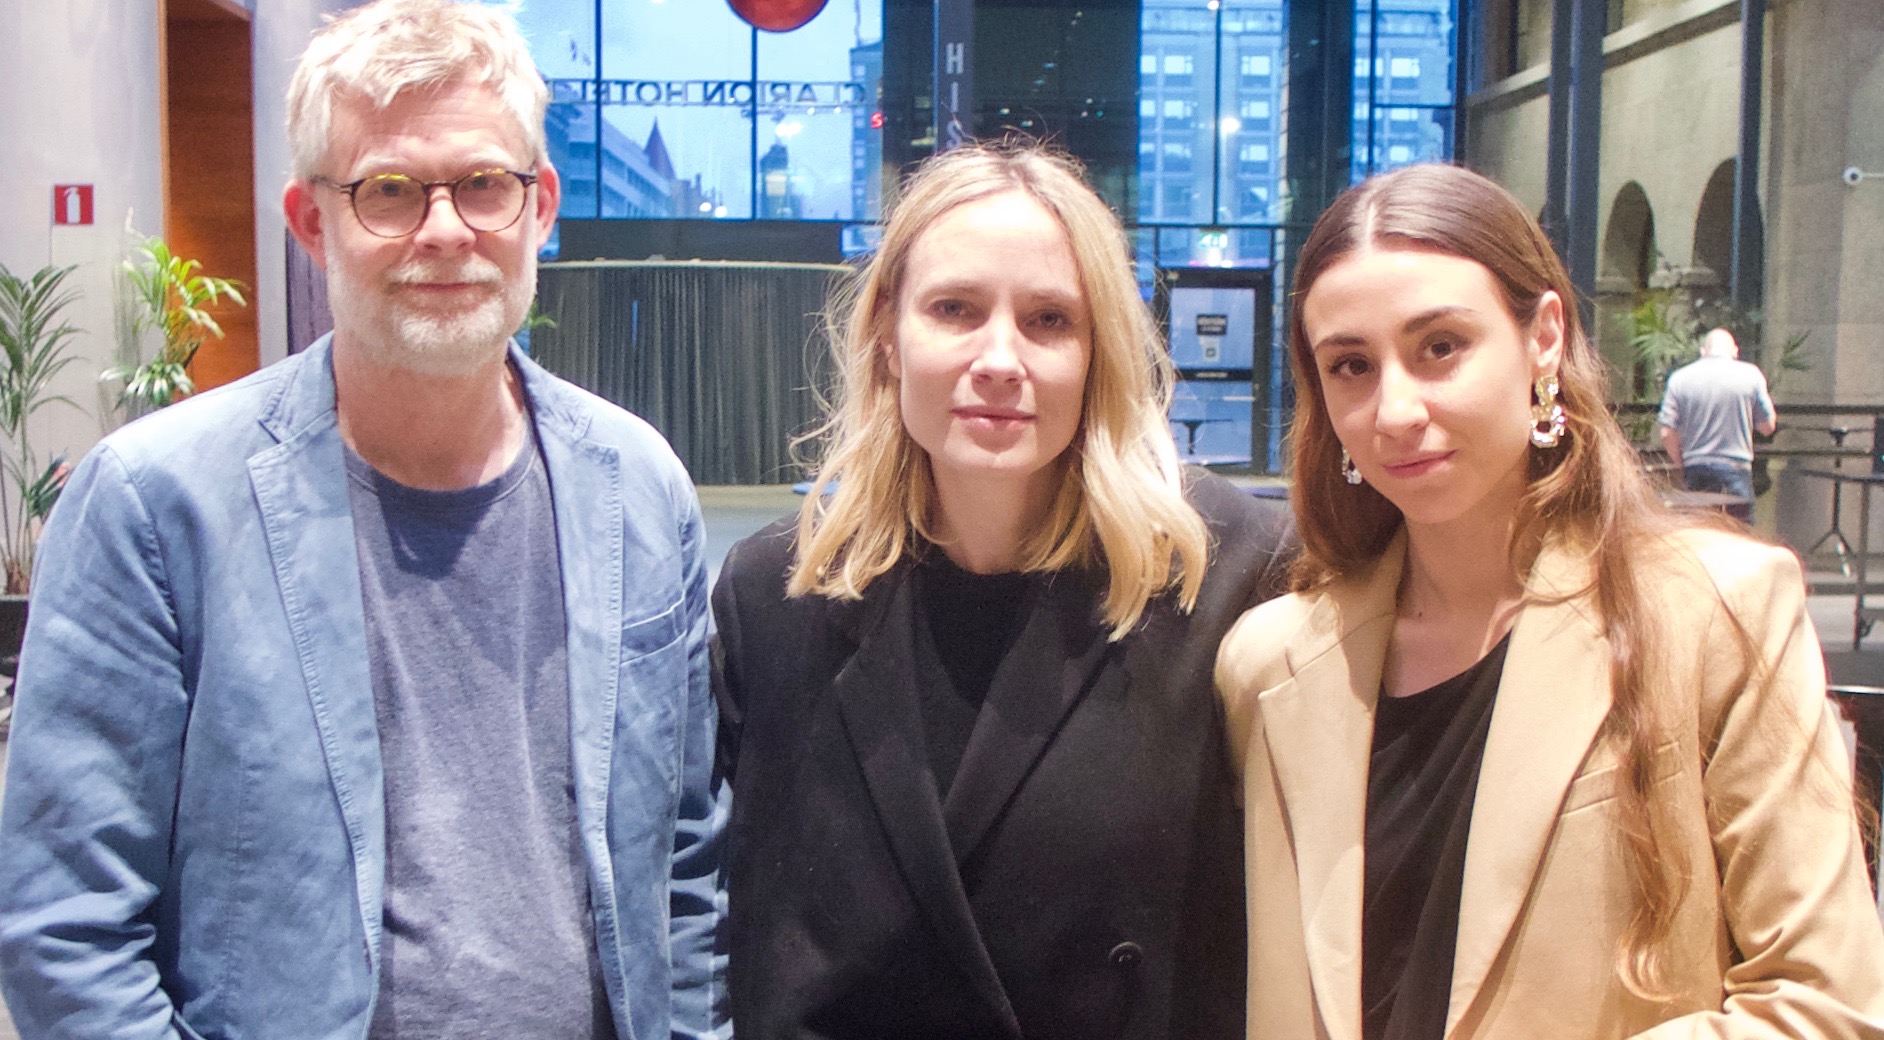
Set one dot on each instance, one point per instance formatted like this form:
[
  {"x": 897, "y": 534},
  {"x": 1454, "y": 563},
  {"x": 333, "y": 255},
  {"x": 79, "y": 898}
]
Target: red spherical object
[{"x": 776, "y": 15}]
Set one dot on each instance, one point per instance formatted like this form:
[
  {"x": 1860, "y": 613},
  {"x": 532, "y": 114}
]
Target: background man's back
[{"x": 1709, "y": 414}]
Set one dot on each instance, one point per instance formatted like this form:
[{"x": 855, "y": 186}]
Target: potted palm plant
[
  {"x": 34, "y": 338},
  {"x": 171, "y": 296}
]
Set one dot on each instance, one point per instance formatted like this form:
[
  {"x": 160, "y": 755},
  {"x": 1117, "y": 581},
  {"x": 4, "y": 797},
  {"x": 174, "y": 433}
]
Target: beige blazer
[{"x": 1777, "y": 935}]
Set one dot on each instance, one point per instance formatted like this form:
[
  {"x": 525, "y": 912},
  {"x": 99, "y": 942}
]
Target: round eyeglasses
[{"x": 393, "y": 205}]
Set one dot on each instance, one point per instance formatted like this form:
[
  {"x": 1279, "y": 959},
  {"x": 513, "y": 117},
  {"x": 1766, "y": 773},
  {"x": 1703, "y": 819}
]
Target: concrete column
[{"x": 1826, "y": 238}]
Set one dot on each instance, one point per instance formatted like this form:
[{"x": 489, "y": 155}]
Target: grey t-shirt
[
  {"x": 1714, "y": 403},
  {"x": 488, "y": 931}
]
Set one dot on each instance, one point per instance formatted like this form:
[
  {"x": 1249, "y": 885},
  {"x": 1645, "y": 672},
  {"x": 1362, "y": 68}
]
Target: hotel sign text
[{"x": 709, "y": 93}]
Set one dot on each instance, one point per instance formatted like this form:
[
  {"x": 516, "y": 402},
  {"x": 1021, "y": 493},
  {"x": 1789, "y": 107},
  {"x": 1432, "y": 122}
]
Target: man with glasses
[{"x": 368, "y": 696}]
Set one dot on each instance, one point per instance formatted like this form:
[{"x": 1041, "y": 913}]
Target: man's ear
[
  {"x": 305, "y": 221},
  {"x": 549, "y": 196}
]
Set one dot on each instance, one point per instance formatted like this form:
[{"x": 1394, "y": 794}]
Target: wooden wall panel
[{"x": 209, "y": 206}]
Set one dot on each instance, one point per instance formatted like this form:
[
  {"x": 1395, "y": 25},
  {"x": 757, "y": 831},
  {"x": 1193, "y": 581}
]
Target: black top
[
  {"x": 1082, "y": 877},
  {"x": 965, "y": 625},
  {"x": 1420, "y": 784}
]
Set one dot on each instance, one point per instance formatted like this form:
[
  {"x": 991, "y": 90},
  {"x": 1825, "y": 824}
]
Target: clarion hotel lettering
[{"x": 708, "y": 93}]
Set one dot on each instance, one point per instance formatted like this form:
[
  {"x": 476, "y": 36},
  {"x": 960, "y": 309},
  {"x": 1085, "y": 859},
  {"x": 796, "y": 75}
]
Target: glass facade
[
  {"x": 1210, "y": 128},
  {"x": 671, "y": 109},
  {"x": 1405, "y": 82},
  {"x": 678, "y": 110},
  {"x": 1214, "y": 186}
]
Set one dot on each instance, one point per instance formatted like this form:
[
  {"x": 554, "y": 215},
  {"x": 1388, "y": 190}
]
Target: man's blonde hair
[
  {"x": 381, "y": 50},
  {"x": 1120, "y": 501}
]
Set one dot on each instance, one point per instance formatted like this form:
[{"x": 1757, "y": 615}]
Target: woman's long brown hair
[{"x": 1588, "y": 494}]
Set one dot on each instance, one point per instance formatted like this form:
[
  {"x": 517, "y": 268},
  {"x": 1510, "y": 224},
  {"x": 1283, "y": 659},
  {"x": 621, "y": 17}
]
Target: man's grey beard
[{"x": 458, "y": 344}]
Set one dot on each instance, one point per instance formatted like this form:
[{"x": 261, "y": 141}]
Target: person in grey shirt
[
  {"x": 368, "y": 697},
  {"x": 1709, "y": 414}
]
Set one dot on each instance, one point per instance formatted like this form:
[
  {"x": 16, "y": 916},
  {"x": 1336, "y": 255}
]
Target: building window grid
[
  {"x": 1405, "y": 51},
  {"x": 1250, "y": 177}
]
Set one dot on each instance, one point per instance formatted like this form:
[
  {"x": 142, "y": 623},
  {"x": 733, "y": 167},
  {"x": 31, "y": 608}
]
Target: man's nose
[{"x": 442, "y": 227}]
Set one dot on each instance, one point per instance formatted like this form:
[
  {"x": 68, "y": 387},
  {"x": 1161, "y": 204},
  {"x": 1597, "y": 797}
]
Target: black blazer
[{"x": 1083, "y": 879}]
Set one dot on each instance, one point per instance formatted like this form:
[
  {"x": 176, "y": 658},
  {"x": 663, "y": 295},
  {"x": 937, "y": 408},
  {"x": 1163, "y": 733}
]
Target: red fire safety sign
[{"x": 71, "y": 204}]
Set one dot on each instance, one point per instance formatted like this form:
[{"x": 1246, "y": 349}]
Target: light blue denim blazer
[{"x": 193, "y": 837}]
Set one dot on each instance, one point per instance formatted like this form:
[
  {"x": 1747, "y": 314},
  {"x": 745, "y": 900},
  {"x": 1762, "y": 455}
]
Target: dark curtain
[{"x": 720, "y": 357}]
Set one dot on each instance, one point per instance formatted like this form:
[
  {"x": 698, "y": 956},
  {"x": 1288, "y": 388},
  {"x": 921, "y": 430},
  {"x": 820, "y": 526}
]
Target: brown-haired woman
[{"x": 1525, "y": 755}]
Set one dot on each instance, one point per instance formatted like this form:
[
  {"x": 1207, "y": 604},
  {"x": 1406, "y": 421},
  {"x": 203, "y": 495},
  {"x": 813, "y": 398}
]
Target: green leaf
[{"x": 174, "y": 300}]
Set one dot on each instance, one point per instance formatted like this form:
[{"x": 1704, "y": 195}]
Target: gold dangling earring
[
  {"x": 1348, "y": 472},
  {"x": 1548, "y": 422}
]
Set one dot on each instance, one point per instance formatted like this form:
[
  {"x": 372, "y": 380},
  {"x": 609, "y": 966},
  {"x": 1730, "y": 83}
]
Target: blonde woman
[
  {"x": 981, "y": 788},
  {"x": 1526, "y": 756}
]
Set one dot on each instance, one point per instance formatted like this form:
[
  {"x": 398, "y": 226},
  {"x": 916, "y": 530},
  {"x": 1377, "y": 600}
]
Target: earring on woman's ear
[
  {"x": 1348, "y": 472},
  {"x": 1548, "y": 422}
]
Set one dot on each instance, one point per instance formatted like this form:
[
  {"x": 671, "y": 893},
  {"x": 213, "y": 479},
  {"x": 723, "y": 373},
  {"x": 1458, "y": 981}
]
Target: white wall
[
  {"x": 83, "y": 105},
  {"x": 80, "y": 79}
]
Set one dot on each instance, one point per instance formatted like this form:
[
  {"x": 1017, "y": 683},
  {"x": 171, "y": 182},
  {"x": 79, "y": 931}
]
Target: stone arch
[
  {"x": 1628, "y": 256},
  {"x": 1714, "y": 237},
  {"x": 1625, "y": 264}
]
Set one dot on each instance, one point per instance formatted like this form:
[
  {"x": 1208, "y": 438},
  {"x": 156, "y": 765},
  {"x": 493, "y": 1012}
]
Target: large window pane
[
  {"x": 1177, "y": 44},
  {"x": 682, "y": 110},
  {"x": 678, "y": 90},
  {"x": 570, "y": 127},
  {"x": 1249, "y": 170},
  {"x": 1211, "y": 97},
  {"x": 562, "y": 40},
  {"x": 1404, "y": 80},
  {"x": 820, "y": 158}
]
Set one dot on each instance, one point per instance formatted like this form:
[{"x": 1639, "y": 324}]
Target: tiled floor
[{"x": 731, "y": 513}]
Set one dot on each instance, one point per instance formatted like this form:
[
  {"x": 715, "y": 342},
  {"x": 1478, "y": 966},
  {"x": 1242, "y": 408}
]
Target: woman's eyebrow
[{"x": 1421, "y": 321}]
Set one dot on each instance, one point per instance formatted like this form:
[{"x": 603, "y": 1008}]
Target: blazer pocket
[
  {"x": 656, "y": 632},
  {"x": 1597, "y": 784}
]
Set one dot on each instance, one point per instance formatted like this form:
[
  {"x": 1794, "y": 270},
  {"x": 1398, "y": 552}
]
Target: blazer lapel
[
  {"x": 1318, "y": 727},
  {"x": 300, "y": 485},
  {"x": 876, "y": 695},
  {"x": 1552, "y": 700},
  {"x": 1050, "y": 669}
]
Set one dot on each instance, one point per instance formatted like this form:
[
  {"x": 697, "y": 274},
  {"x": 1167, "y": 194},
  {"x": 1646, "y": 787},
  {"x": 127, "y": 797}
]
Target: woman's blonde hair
[
  {"x": 1120, "y": 498},
  {"x": 1588, "y": 493}
]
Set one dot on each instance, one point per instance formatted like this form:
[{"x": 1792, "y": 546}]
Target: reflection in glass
[
  {"x": 1405, "y": 135},
  {"x": 1211, "y": 421},
  {"x": 1404, "y": 80},
  {"x": 646, "y": 174},
  {"x": 571, "y": 131},
  {"x": 821, "y": 151},
  {"x": 684, "y": 111},
  {"x": 1250, "y": 173},
  {"x": 1211, "y": 94}
]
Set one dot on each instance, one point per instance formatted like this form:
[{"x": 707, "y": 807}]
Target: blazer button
[{"x": 1126, "y": 955}]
